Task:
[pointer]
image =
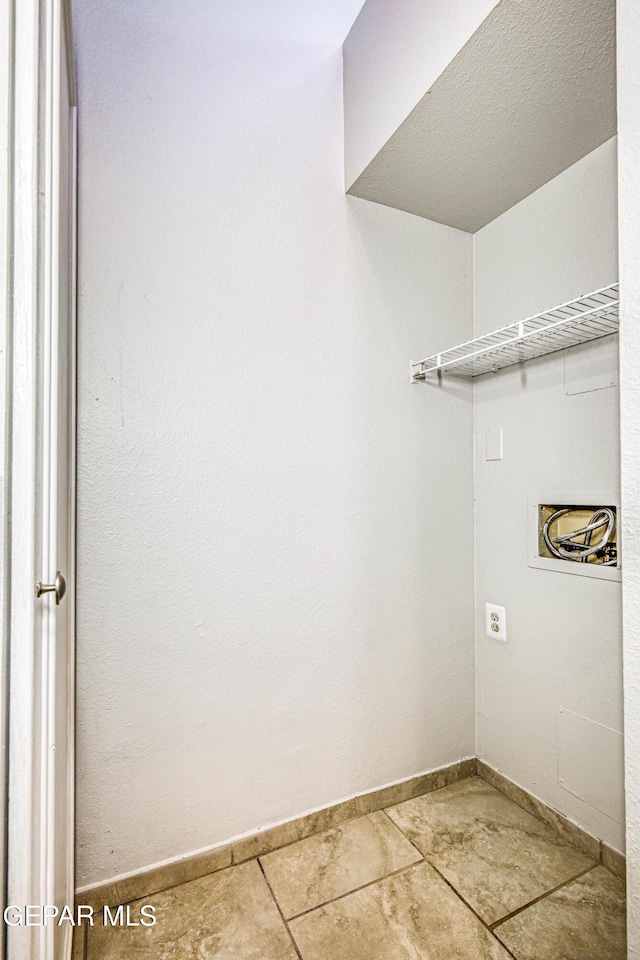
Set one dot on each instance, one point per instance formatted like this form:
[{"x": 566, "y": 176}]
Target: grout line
[
  {"x": 282, "y": 917},
  {"x": 491, "y": 927},
  {"x": 487, "y": 926},
  {"x": 337, "y": 826},
  {"x": 543, "y": 896},
  {"x": 401, "y": 831},
  {"x": 422, "y": 859},
  {"x": 333, "y": 826},
  {"x": 471, "y": 909},
  {"x": 291, "y": 843},
  {"x": 459, "y": 895},
  {"x": 91, "y": 892},
  {"x": 371, "y": 883},
  {"x": 536, "y": 807},
  {"x": 503, "y": 945}
]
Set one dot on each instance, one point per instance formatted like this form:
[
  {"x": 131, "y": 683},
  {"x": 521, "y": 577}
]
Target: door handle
[{"x": 59, "y": 587}]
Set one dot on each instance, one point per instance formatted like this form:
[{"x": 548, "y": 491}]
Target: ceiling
[
  {"x": 531, "y": 93},
  {"x": 318, "y": 21}
]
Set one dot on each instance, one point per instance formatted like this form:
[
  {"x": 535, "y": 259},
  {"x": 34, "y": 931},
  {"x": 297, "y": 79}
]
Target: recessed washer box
[{"x": 583, "y": 504}]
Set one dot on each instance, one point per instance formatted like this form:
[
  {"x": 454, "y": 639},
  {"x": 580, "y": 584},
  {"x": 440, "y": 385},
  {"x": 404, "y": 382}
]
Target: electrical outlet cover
[{"x": 495, "y": 621}]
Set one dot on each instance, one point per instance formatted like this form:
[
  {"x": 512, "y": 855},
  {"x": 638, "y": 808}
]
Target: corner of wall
[{"x": 475, "y": 507}]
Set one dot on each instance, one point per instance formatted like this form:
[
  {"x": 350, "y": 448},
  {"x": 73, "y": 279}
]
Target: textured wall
[
  {"x": 392, "y": 56},
  {"x": 564, "y": 644},
  {"x": 484, "y": 133},
  {"x": 629, "y": 193},
  {"x": 263, "y": 625}
]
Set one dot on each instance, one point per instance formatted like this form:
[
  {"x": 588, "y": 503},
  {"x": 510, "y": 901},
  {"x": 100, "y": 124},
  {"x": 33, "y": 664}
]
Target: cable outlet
[{"x": 495, "y": 618}]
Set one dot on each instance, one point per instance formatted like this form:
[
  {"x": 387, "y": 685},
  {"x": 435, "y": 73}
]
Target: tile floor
[{"x": 462, "y": 873}]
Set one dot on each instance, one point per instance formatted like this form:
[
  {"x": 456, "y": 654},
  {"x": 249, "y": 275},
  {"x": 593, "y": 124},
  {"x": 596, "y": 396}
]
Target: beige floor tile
[
  {"x": 229, "y": 915},
  {"x": 568, "y": 831},
  {"x": 336, "y": 861},
  {"x": 412, "y": 915},
  {"x": 264, "y": 841},
  {"x": 416, "y": 786},
  {"x": 77, "y": 947},
  {"x": 583, "y": 921},
  {"x": 495, "y": 854}
]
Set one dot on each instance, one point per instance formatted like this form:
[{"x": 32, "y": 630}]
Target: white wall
[
  {"x": 263, "y": 626},
  {"x": 564, "y": 644},
  {"x": 629, "y": 197},
  {"x": 6, "y": 71},
  {"x": 392, "y": 56}
]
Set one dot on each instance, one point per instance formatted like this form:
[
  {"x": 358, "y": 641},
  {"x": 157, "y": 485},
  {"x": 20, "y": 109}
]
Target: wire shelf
[{"x": 577, "y": 321}]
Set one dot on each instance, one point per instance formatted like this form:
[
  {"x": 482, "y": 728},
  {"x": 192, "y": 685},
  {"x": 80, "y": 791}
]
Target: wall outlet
[{"x": 495, "y": 619}]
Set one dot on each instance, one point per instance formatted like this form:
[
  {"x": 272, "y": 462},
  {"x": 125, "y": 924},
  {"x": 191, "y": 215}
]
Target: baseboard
[
  {"x": 599, "y": 851},
  {"x": 160, "y": 876}
]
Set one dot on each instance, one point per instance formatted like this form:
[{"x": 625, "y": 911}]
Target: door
[
  {"x": 41, "y": 467},
  {"x": 54, "y": 552}
]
